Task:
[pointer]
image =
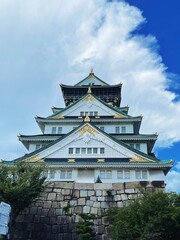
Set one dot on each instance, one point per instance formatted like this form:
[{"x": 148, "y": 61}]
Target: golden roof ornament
[
  {"x": 91, "y": 72},
  {"x": 89, "y": 90},
  {"x": 87, "y": 118}
]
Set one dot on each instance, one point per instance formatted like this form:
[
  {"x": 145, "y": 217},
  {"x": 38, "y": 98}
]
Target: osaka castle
[{"x": 93, "y": 139}]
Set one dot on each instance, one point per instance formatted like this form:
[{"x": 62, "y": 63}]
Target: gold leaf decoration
[
  {"x": 138, "y": 159},
  {"x": 34, "y": 159}
]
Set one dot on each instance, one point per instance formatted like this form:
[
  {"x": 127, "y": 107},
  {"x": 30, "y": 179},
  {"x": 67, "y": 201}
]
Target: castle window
[
  {"x": 59, "y": 130},
  {"x": 141, "y": 174},
  {"x": 138, "y": 174},
  {"x": 77, "y": 150},
  {"x": 144, "y": 174},
  {"x": 126, "y": 174},
  {"x": 83, "y": 150},
  {"x": 91, "y": 114},
  {"x": 120, "y": 174},
  {"x": 81, "y": 114},
  {"x": 70, "y": 150},
  {"x": 105, "y": 174},
  {"x": 117, "y": 130},
  {"x": 123, "y": 129},
  {"x": 95, "y": 150},
  {"x": 53, "y": 130},
  {"x": 89, "y": 151},
  {"x": 95, "y": 114},
  {"x": 52, "y": 174},
  {"x": 101, "y": 150},
  {"x": 66, "y": 174}
]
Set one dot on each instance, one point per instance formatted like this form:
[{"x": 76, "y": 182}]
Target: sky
[{"x": 135, "y": 42}]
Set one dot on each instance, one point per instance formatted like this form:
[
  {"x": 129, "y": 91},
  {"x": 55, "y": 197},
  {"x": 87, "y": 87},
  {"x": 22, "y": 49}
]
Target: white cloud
[
  {"x": 45, "y": 43},
  {"x": 173, "y": 181}
]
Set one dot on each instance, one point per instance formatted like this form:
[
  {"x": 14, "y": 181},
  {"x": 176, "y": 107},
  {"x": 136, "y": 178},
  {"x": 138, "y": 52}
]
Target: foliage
[
  {"x": 84, "y": 228},
  {"x": 154, "y": 216},
  {"x": 67, "y": 209},
  {"x": 20, "y": 185}
]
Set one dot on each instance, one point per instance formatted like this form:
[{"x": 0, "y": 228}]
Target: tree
[
  {"x": 154, "y": 216},
  {"x": 20, "y": 185},
  {"x": 84, "y": 228}
]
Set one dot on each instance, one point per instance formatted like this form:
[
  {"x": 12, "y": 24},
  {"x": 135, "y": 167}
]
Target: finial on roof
[
  {"x": 87, "y": 118},
  {"x": 91, "y": 73},
  {"x": 89, "y": 90}
]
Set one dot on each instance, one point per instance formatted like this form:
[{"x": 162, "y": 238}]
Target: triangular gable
[
  {"x": 87, "y": 104},
  {"x": 87, "y": 136},
  {"x": 91, "y": 80}
]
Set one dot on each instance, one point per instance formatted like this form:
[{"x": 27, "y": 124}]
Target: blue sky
[{"x": 134, "y": 42}]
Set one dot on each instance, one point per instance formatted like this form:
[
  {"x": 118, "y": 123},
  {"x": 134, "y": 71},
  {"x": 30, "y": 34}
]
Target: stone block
[
  {"x": 66, "y": 191},
  {"x": 98, "y": 193},
  {"x": 53, "y": 220},
  {"x": 52, "y": 212},
  {"x": 102, "y": 186},
  {"x": 73, "y": 203},
  {"x": 36, "y": 218},
  {"x": 56, "y": 204},
  {"x": 104, "y": 205},
  {"x": 131, "y": 190},
  {"x": 91, "y": 193},
  {"x": 94, "y": 210},
  {"x": 117, "y": 198},
  {"x": 76, "y": 193},
  {"x": 51, "y": 196},
  {"x": 105, "y": 221},
  {"x": 59, "y": 211},
  {"x": 44, "y": 212},
  {"x": 96, "y": 204},
  {"x": 89, "y": 203},
  {"x": 85, "y": 186},
  {"x": 57, "y": 190},
  {"x": 20, "y": 218},
  {"x": 81, "y": 201},
  {"x": 105, "y": 237},
  {"x": 64, "y": 204},
  {"x": 120, "y": 204},
  {"x": 78, "y": 209},
  {"x": 59, "y": 197},
  {"x": 101, "y": 199},
  {"x": 120, "y": 191},
  {"x": 100, "y": 229},
  {"x": 132, "y": 185},
  {"x": 86, "y": 209},
  {"x": 67, "y": 185},
  {"x": 118, "y": 186},
  {"x": 83, "y": 193},
  {"x": 93, "y": 198},
  {"x": 47, "y": 204},
  {"x": 124, "y": 197},
  {"x": 33, "y": 210}
]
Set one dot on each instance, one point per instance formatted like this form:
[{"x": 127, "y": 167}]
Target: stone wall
[{"x": 53, "y": 217}]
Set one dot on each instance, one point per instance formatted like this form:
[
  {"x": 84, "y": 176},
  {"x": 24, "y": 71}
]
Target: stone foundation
[{"x": 53, "y": 217}]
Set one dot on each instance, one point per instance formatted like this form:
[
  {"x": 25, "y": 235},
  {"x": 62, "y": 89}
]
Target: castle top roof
[{"x": 91, "y": 79}]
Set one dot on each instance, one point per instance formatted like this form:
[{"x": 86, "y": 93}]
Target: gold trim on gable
[
  {"x": 59, "y": 116},
  {"x": 87, "y": 128},
  {"x": 138, "y": 159},
  {"x": 101, "y": 160},
  {"x": 118, "y": 116},
  {"x": 89, "y": 98},
  {"x": 71, "y": 160},
  {"x": 34, "y": 159}
]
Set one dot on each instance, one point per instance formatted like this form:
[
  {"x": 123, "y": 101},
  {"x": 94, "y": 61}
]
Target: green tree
[
  {"x": 20, "y": 185},
  {"x": 84, "y": 228},
  {"x": 154, "y": 216}
]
